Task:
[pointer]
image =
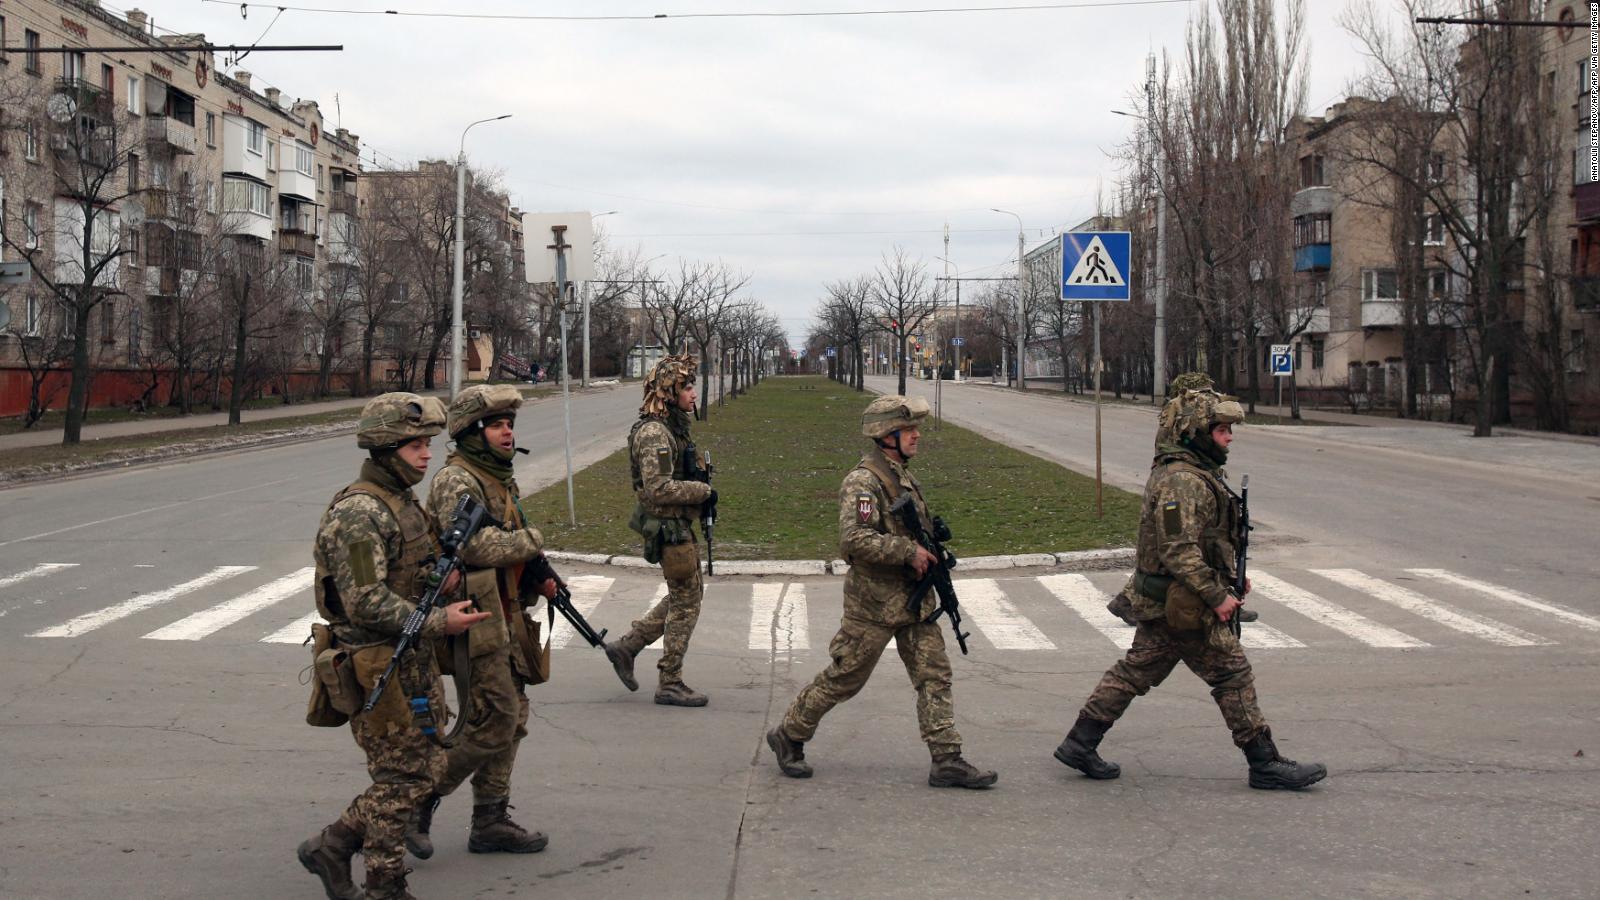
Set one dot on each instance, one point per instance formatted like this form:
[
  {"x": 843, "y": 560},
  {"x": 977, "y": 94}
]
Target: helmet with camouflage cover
[
  {"x": 389, "y": 420},
  {"x": 482, "y": 402},
  {"x": 1190, "y": 381},
  {"x": 1192, "y": 414},
  {"x": 890, "y": 413},
  {"x": 669, "y": 376}
]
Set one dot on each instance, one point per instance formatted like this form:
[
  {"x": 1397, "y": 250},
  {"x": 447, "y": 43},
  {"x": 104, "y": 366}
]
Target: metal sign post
[
  {"x": 1282, "y": 367},
  {"x": 1095, "y": 266},
  {"x": 561, "y": 247}
]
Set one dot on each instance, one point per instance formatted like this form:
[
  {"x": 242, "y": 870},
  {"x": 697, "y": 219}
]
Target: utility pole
[
  {"x": 559, "y": 232},
  {"x": 1022, "y": 318},
  {"x": 458, "y": 328},
  {"x": 1158, "y": 369}
]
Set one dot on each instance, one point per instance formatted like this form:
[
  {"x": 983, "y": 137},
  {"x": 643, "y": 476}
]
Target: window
[
  {"x": 108, "y": 79},
  {"x": 135, "y": 95},
  {"x": 241, "y": 195},
  {"x": 133, "y": 242},
  {"x": 1379, "y": 284},
  {"x": 255, "y": 137},
  {"x": 108, "y": 322},
  {"x": 30, "y": 140},
  {"x": 211, "y": 197},
  {"x": 1577, "y": 349},
  {"x": 304, "y": 273},
  {"x": 73, "y": 64},
  {"x": 1316, "y": 353},
  {"x": 1312, "y": 171},
  {"x": 1357, "y": 379},
  {"x": 1438, "y": 285},
  {"x": 211, "y": 129},
  {"x": 133, "y": 172},
  {"x": 30, "y": 44},
  {"x": 272, "y": 156},
  {"x": 289, "y": 218},
  {"x": 1583, "y": 81},
  {"x": 1433, "y": 230},
  {"x": 1435, "y": 168},
  {"x": 1313, "y": 229},
  {"x": 321, "y": 181},
  {"x": 303, "y": 159},
  {"x": 30, "y": 225}
]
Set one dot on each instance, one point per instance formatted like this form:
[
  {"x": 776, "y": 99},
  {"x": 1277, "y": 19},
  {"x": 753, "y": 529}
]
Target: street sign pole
[
  {"x": 560, "y": 247},
  {"x": 1095, "y": 266},
  {"x": 1099, "y": 477}
]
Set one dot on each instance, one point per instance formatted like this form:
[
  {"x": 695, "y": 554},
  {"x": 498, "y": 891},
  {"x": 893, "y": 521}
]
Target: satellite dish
[{"x": 61, "y": 108}]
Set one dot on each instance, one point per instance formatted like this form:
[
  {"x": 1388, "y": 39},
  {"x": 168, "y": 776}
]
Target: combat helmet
[
  {"x": 389, "y": 420},
  {"x": 1191, "y": 415},
  {"x": 890, "y": 413},
  {"x": 667, "y": 378},
  {"x": 481, "y": 402},
  {"x": 1190, "y": 381}
]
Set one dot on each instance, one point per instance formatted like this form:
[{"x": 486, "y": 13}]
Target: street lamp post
[
  {"x": 458, "y": 332},
  {"x": 1158, "y": 366},
  {"x": 1022, "y": 317}
]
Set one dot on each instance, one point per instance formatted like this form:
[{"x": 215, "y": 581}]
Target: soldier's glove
[{"x": 708, "y": 509}]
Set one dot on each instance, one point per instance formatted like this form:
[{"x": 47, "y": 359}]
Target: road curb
[{"x": 1075, "y": 559}]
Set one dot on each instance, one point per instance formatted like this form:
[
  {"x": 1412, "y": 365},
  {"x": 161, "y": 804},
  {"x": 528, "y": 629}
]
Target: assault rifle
[
  {"x": 465, "y": 520},
  {"x": 535, "y": 573},
  {"x": 937, "y": 577},
  {"x": 693, "y": 471},
  {"x": 1241, "y": 547}
]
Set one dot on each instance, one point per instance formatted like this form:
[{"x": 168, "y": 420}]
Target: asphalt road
[{"x": 153, "y": 744}]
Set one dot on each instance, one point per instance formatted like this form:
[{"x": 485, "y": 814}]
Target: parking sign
[{"x": 1282, "y": 361}]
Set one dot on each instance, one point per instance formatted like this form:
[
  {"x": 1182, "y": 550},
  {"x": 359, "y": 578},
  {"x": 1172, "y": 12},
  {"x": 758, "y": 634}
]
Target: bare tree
[{"x": 903, "y": 298}]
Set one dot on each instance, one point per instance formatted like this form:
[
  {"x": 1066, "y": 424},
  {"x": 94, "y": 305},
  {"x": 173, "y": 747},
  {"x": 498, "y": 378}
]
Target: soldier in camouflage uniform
[
  {"x": 1183, "y": 597},
  {"x": 1121, "y": 606},
  {"x": 481, "y": 422},
  {"x": 668, "y": 505},
  {"x": 885, "y": 562},
  {"x": 372, "y": 551}
]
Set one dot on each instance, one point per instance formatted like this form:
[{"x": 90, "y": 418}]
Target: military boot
[
  {"x": 494, "y": 832},
  {"x": 1080, "y": 749},
  {"x": 679, "y": 694},
  {"x": 622, "y": 660},
  {"x": 387, "y": 887},
  {"x": 1269, "y": 771},
  {"x": 950, "y": 770},
  {"x": 327, "y": 856},
  {"x": 417, "y": 839},
  {"x": 1246, "y": 614},
  {"x": 791, "y": 754}
]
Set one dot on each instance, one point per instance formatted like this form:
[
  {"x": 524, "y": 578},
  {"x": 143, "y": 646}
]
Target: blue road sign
[
  {"x": 833, "y": 351},
  {"x": 956, "y": 342},
  {"x": 1282, "y": 361},
  {"x": 1095, "y": 265}
]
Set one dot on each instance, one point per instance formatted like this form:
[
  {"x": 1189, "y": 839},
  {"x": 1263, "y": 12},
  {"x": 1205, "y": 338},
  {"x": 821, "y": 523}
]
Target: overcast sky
[{"x": 796, "y": 149}]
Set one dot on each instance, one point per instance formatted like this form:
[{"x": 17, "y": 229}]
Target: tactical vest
[
  {"x": 494, "y": 591},
  {"x": 650, "y": 507},
  {"x": 880, "y": 470},
  {"x": 1216, "y": 538},
  {"x": 404, "y": 576}
]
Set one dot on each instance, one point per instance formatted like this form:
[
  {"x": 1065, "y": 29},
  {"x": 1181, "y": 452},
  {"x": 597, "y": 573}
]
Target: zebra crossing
[{"x": 1302, "y": 611}]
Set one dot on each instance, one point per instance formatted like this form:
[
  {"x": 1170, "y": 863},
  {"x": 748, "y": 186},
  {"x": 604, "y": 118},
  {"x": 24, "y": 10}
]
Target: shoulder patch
[
  {"x": 664, "y": 460},
  {"x": 866, "y": 506},
  {"x": 361, "y": 568},
  {"x": 1171, "y": 517}
]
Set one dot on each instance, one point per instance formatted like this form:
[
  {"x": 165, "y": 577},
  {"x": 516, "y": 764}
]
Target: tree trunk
[
  {"x": 241, "y": 321},
  {"x": 364, "y": 377},
  {"x": 78, "y": 392},
  {"x": 900, "y": 348}
]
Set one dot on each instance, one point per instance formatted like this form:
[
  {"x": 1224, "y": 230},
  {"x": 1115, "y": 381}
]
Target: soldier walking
[
  {"x": 885, "y": 563},
  {"x": 372, "y": 551},
  {"x": 669, "y": 502},
  {"x": 1183, "y": 597},
  {"x": 503, "y": 649}
]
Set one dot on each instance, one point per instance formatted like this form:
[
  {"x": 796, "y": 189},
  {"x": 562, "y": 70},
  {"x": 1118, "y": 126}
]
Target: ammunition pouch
[
  {"x": 536, "y": 655},
  {"x": 483, "y": 589},
  {"x": 321, "y": 710},
  {"x": 1153, "y": 586},
  {"x": 659, "y": 533},
  {"x": 338, "y": 676},
  {"x": 1185, "y": 610},
  {"x": 393, "y": 714},
  {"x": 680, "y": 561}
]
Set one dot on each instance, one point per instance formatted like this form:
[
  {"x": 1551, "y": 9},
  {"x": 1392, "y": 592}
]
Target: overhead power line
[{"x": 742, "y": 14}]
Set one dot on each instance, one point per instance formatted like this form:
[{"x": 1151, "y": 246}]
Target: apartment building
[{"x": 197, "y": 167}]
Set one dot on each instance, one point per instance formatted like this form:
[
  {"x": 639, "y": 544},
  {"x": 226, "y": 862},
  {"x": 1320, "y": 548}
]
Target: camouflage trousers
[
  {"x": 673, "y": 619},
  {"x": 1213, "y": 654},
  {"x": 855, "y": 650},
  {"x": 404, "y": 765},
  {"x": 487, "y": 748}
]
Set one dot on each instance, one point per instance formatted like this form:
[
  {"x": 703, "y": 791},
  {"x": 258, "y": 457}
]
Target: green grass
[{"x": 781, "y": 452}]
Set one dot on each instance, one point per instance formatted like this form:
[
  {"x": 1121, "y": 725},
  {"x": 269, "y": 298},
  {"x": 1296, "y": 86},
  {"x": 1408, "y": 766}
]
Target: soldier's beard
[{"x": 1205, "y": 446}]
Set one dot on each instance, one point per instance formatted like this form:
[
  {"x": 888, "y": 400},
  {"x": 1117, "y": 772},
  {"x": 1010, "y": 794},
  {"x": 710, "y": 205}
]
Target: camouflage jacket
[
  {"x": 875, "y": 543},
  {"x": 656, "y": 452},
  {"x": 370, "y": 551},
  {"x": 1186, "y": 530}
]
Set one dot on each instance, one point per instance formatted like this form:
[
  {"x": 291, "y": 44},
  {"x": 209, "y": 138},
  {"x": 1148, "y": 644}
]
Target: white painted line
[
  {"x": 794, "y": 624},
  {"x": 763, "y": 607},
  {"x": 1511, "y": 596},
  {"x": 1089, "y": 602},
  {"x": 990, "y": 612},
  {"x": 587, "y": 592},
  {"x": 35, "y": 572},
  {"x": 295, "y": 632},
  {"x": 1411, "y": 601},
  {"x": 778, "y": 621},
  {"x": 1338, "y": 618},
  {"x": 209, "y": 621},
  {"x": 1258, "y": 636},
  {"x": 90, "y": 621}
]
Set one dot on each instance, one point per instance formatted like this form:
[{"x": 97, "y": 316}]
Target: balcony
[
  {"x": 1313, "y": 258},
  {"x": 297, "y": 243},
  {"x": 243, "y": 223},
  {"x": 1380, "y": 313},
  {"x": 163, "y": 132},
  {"x": 297, "y": 184},
  {"x": 1586, "y": 293},
  {"x": 1311, "y": 201},
  {"x": 342, "y": 202},
  {"x": 1586, "y": 201},
  {"x": 1314, "y": 320},
  {"x": 91, "y": 99}
]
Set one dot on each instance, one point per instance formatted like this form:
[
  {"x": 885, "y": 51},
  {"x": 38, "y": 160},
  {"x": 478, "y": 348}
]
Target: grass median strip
[{"x": 782, "y": 449}]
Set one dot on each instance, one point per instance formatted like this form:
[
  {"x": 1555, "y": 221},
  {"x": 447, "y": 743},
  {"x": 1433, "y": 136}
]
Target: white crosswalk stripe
[
  {"x": 295, "y": 632},
  {"x": 139, "y": 603},
  {"x": 1433, "y": 610},
  {"x": 1261, "y": 636},
  {"x": 1313, "y": 607},
  {"x": 998, "y": 618},
  {"x": 35, "y": 572},
  {"x": 587, "y": 592},
  {"x": 1572, "y": 617},
  {"x": 210, "y": 621},
  {"x": 1089, "y": 602},
  {"x": 778, "y": 618}
]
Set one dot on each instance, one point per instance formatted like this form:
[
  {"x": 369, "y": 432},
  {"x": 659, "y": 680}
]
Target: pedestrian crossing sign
[{"x": 1095, "y": 265}]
